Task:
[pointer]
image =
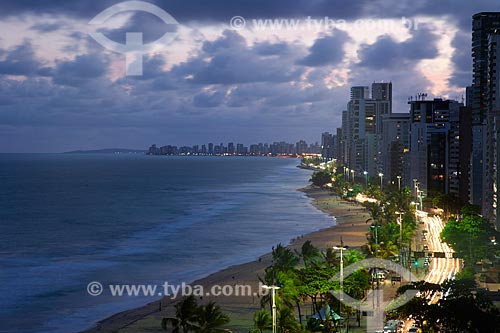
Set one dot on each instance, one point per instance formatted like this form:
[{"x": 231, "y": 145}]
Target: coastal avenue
[{"x": 440, "y": 269}]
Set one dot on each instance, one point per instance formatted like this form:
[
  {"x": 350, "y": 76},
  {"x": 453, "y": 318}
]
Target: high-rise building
[
  {"x": 239, "y": 149},
  {"x": 395, "y": 143},
  {"x": 335, "y": 146},
  {"x": 153, "y": 150},
  {"x": 464, "y": 151},
  {"x": 301, "y": 147},
  {"x": 483, "y": 25},
  {"x": 339, "y": 150},
  {"x": 327, "y": 146},
  {"x": 230, "y": 148},
  {"x": 382, "y": 92},
  {"x": 210, "y": 148},
  {"x": 360, "y": 92},
  {"x": 362, "y": 127},
  {"x": 345, "y": 131},
  {"x": 494, "y": 123},
  {"x": 255, "y": 150},
  {"x": 433, "y": 155}
]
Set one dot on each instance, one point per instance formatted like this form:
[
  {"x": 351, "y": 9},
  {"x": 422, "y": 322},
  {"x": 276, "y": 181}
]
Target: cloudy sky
[{"x": 220, "y": 79}]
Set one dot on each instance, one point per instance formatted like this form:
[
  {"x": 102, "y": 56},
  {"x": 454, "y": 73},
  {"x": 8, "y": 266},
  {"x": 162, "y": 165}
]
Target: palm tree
[
  {"x": 185, "y": 316},
  {"x": 284, "y": 259},
  {"x": 388, "y": 249},
  {"x": 352, "y": 256},
  {"x": 309, "y": 253},
  {"x": 210, "y": 318},
  {"x": 262, "y": 320},
  {"x": 286, "y": 321}
]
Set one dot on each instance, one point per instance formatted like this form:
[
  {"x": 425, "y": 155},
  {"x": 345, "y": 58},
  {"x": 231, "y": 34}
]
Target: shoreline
[{"x": 350, "y": 225}]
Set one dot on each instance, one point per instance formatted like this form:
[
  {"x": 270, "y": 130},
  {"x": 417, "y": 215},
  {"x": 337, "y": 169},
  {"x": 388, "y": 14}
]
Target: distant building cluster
[
  {"x": 300, "y": 148},
  {"x": 440, "y": 146},
  {"x": 425, "y": 149}
]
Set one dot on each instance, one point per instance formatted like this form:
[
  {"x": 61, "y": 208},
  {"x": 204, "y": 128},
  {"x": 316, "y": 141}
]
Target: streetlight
[
  {"x": 400, "y": 221},
  {"x": 399, "y": 183},
  {"x": 352, "y": 171},
  {"x": 375, "y": 227},
  {"x": 342, "y": 249},
  {"x": 273, "y": 297},
  {"x": 415, "y": 187},
  {"x": 346, "y": 174},
  {"x": 420, "y": 197},
  {"x": 381, "y": 175},
  {"x": 366, "y": 178}
]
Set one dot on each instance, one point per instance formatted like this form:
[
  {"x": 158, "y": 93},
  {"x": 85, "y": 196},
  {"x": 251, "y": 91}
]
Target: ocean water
[{"x": 67, "y": 220}]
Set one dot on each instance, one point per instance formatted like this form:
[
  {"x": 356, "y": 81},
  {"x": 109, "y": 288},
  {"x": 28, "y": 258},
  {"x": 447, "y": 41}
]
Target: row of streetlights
[
  {"x": 381, "y": 175},
  {"x": 348, "y": 171},
  {"x": 348, "y": 178}
]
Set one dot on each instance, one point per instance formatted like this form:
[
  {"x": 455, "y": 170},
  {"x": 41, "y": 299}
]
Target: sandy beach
[{"x": 350, "y": 225}]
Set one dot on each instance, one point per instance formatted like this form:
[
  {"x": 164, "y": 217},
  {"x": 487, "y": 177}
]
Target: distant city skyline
[
  {"x": 301, "y": 147},
  {"x": 61, "y": 90}
]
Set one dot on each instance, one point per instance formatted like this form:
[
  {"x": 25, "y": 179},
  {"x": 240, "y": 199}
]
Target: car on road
[{"x": 392, "y": 326}]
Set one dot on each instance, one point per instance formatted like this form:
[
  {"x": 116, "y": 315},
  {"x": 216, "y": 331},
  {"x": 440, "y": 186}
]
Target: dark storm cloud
[
  {"x": 458, "y": 12},
  {"x": 208, "y": 99},
  {"x": 222, "y": 87},
  {"x": 231, "y": 61},
  {"x": 462, "y": 60},
  {"x": 21, "y": 60},
  {"x": 151, "y": 27},
  {"x": 268, "y": 49},
  {"x": 199, "y": 10},
  {"x": 46, "y": 27},
  {"x": 152, "y": 67},
  {"x": 386, "y": 53},
  {"x": 254, "y": 78},
  {"x": 326, "y": 50},
  {"x": 81, "y": 69}
]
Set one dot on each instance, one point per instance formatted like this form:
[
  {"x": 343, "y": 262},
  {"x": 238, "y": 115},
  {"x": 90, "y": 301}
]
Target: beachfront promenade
[{"x": 348, "y": 222}]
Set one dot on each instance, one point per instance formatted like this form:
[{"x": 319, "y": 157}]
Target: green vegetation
[
  {"x": 470, "y": 235},
  {"x": 312, "y": 160},
  {"x": 305, "y": 279},
  {"x": 466, "y": 308},
  {"x": 305, "y": 276},
  {"x": 321, "y": 178},
  {"x": 262, "y": 320},
  {"x": 191, "y": 317},
  {"x": 448, "y": 202},
  {"x": 384, "y": 213}
]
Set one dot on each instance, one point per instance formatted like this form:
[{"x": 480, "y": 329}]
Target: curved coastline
[{"x": 349, "y": 225}]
